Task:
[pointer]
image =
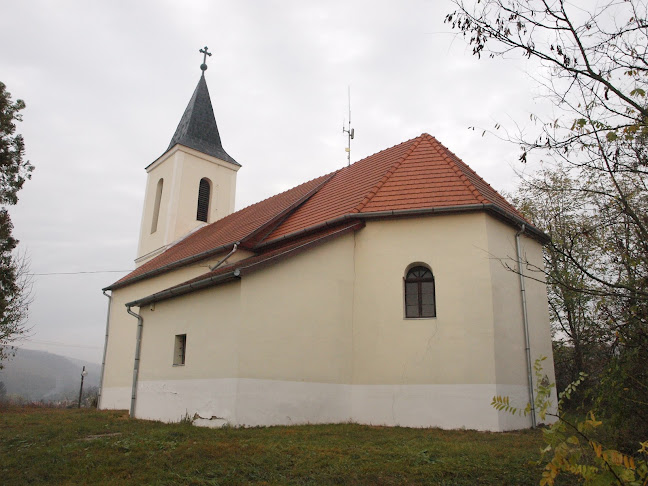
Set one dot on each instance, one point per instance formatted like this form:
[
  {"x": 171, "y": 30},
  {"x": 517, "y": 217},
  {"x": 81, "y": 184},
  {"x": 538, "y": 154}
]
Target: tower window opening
[
  {"x": 204, "y": 191},
  {"x": 156, "y": 206}
]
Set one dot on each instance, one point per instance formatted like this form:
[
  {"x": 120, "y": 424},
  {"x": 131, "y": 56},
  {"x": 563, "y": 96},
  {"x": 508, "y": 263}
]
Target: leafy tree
[
  {"x": 550, "y": 199},
  {"x": 593, "y": 68},
  {"x": 573, "y": 445},
  {"x": 14, "y": 170}
]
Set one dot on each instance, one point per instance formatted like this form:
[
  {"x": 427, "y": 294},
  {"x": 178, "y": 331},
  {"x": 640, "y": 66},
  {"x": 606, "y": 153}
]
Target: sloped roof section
[
  {"x": 419, "y": 176},
  {"x": 432, "y": 176},
  {"x": 225, "y": 232},
  {"x": 197, "y": 128}
]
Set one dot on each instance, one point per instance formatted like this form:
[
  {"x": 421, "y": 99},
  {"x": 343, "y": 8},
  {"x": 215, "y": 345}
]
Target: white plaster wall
[
  {"x": 510, "y": 352},
  {"x": 274, "y": 338},
  {"x": 211, "y": 320},
  {"x": 120, "y": 351},
  {"x": 296, "y": 317},
  {"x": 172, "y": 400},
  {"x": 149, "y": 242},
  {"x": 456, "y": 347},
  {"x": 255, "y": 402}
]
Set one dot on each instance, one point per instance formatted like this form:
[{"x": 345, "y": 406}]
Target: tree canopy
[
  {"x": 590, "y": 195},
  {"x": 14, "y": 171}
]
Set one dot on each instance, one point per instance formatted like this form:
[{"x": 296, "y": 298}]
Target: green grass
[{"x": 55, "y": 446}]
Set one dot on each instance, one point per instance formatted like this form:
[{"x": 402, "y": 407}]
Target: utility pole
[{"x": 83, "y": 375}]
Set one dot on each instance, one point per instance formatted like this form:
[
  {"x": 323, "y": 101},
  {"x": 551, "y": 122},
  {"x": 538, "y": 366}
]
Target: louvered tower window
[
  {"x": 419, "y": 293},
  {"x": 204, "y": 190}
]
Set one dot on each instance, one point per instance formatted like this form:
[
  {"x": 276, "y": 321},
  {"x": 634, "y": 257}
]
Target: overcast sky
[{"x": 106, "y": 83}]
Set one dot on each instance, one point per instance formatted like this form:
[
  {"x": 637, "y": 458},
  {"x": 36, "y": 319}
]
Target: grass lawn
[{"x": 56, "y": 446}]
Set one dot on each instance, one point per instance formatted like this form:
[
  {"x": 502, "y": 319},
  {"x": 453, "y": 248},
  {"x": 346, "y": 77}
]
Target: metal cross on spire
[{"x": 203, "y": 66}]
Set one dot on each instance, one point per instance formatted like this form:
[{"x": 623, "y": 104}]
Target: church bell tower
[{"x": 192, "y": 184}]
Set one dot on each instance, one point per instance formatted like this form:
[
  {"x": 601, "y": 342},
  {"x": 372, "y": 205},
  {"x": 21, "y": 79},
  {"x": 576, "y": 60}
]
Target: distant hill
[{"x": 38, "y": 375}]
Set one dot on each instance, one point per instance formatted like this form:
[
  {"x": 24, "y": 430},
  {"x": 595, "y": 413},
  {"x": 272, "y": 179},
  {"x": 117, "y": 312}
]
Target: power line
[
  {"x": 54, "y": 343},
  {"x": 78, "y": 273}
]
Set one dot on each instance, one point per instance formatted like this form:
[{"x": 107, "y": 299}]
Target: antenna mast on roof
[{"x": 349, "y": 131}]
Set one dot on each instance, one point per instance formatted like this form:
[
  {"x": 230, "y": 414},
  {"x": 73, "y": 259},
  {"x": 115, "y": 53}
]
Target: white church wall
[
  {"x": 296, "y": 317},
  {"x": 454, "y": 347},
  {"x": 440, "y": 371},
  {"x": 151, "y": 241},
  {"x": 274, "y": 347},
  {"x": 206, "y": 384},
  {"x": 321, "y": 337},
  {"x": 510, "y": 353},
  {"x": 120, "y": 352}
]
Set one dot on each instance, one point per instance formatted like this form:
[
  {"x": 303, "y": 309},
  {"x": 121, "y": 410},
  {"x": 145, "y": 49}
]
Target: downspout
[
  {"x": 525, "y": 319},
  {"x": 103, "y": 361},
  {"x": 218, "y": 264},
  {"x": 138, "y": 346}
]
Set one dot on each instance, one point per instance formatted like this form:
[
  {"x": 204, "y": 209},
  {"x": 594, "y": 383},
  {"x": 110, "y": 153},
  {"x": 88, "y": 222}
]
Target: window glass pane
[
  {"x": 425, "y": 273},
  {"x": 427, "y": 299},
  {"x": 428, "y": 310},
  {"x": 427, "y": 287},
  {"x": 411, "y": 299},
  {"x": 419, "y": 273},
  {"x": 411, "y": 294},
  {"x": 411, "y": 311},
  {"x": 415, "y": 272}
]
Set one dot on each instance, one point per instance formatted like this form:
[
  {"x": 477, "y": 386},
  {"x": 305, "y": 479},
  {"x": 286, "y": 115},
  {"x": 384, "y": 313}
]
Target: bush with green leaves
[{"x": 573, "y": 444}]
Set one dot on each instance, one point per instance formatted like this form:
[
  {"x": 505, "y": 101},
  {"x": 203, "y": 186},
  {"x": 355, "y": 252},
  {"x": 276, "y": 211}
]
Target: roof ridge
[
  {"x": 459, "y": 171},
  {"x": 329, "y": 175},
  {"x": 475, "y": 173},
  {"x": 411, "y": 140},
  {"x": 372, "y": 192}
]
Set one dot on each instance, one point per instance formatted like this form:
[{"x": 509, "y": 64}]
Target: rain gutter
[
  {"x": 103, "y": 360},
  {"x": 138, "y": 347},
  {"x": 525, "y": 322}
]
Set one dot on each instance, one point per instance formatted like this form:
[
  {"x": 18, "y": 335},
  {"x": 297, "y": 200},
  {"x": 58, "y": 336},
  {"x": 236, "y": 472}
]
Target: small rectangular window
[{"x": 180, "y": 348}]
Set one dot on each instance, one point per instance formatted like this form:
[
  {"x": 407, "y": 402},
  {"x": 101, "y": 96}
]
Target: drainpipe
[
  {"x": 138, "y": 346},
  {"x": 103, "y": 361},
  {"x": 525, "y": 319},
  {"x": 218, "y": 264}
]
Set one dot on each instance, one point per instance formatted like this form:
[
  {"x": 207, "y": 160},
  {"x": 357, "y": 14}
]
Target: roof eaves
[
  {"x": 169, "y": 266},
  {"x": 186, "y": 288},
  {"x": 489, "y": 207},
  {"x": 495, "y": 210}
]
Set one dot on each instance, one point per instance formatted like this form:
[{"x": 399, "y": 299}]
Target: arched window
[
  {"x": 204, "y": 190},
  {"x": 156, "y": 206},
  {"x": 419, "y": 293}
]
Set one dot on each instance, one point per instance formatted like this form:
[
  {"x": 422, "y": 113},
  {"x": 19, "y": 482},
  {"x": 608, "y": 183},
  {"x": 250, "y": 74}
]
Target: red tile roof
[{"x": 418, "y": 175}]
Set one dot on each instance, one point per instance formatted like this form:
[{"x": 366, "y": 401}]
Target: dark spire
[{"x": 197, "y": 128}]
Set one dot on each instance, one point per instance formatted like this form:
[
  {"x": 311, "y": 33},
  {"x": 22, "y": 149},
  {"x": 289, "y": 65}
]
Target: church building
[{"x": 378, "y": 293}]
